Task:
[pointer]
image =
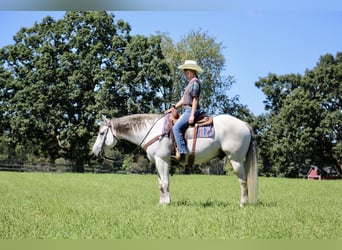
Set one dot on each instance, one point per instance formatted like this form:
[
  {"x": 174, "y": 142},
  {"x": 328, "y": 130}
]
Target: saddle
[{"x": 202, "y": 121}]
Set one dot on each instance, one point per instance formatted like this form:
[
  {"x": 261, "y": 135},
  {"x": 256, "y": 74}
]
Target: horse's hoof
[
  {"x": 164, "y": 204},
  {"x": 243, "y": 204}
]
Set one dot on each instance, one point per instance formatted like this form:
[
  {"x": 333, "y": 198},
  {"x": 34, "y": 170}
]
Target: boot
[
  {"x": 182, "y": 158},
  {"x": 176, "y": 157}
]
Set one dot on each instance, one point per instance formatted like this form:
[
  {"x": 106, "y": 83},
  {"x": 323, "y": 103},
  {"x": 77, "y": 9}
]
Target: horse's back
[
  {"x": 228, "y": 122},
  {"x": 233, "y": 134}
]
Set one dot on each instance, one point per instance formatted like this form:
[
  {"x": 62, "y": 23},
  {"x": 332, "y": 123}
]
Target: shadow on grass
[
  {"x": 216, "y": 203},
  {"x": 204, "y": 204},
  {"x": 267, "y": 204}
]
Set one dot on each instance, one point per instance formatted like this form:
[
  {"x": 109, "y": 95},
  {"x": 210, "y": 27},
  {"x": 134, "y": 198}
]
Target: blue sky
[{"x": 256, "y": 41}]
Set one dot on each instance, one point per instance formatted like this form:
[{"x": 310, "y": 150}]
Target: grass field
[{"x": 88, "y": 206}]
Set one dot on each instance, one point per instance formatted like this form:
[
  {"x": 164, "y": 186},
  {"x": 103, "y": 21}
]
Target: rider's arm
[
  {"x": 193, "y": 109},
  {"x": 178, "y": 104}
]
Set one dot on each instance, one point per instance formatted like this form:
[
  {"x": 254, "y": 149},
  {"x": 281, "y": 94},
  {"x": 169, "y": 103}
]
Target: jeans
[{"x": 179, "y": 128}]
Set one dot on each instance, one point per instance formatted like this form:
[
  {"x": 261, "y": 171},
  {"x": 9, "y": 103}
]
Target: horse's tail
[{"x": 252, "y": 169}]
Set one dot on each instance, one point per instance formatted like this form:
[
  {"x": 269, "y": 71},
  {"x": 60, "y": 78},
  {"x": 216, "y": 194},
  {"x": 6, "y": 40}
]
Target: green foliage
[
  {"x": 60, "y": 76},
  {"x": 304, "y": 123},
  {"x": 41, "y": 206}
]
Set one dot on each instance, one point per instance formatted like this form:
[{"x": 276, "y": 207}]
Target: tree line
[
  {"x": 60, "y": 76},
  {"x": 303, "y": 125}
]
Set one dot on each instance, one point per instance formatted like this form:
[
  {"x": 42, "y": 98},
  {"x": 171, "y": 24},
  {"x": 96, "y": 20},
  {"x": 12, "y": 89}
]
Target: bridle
[{"x": 102, "y": 155}]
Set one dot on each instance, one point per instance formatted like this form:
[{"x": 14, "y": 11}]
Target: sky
[{"x": 255, "y": 41}]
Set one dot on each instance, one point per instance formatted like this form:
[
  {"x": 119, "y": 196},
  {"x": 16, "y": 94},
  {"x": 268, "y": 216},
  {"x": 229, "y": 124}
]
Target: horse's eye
[{"x": 102, "y": 130}]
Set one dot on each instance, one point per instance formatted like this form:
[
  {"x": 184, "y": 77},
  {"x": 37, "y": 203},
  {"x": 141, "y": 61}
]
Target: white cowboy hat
[{"x": 191, "y": 64}]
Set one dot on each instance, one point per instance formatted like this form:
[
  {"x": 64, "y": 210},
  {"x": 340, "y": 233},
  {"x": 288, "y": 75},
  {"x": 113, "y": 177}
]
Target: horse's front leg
[{"x": 162, "y": 166}]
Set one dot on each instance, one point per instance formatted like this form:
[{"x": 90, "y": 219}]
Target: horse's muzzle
[{"x": 98, "y": 154}]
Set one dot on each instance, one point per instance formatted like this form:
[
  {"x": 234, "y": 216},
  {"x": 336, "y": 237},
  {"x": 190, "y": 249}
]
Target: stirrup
[{"x": 176, "y": 156}]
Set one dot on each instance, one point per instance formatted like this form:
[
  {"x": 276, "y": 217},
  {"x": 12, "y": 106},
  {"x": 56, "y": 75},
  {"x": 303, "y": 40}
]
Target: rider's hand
[
  {"x": 168, "y": 111},
  {"x": 191, "y": 119}
]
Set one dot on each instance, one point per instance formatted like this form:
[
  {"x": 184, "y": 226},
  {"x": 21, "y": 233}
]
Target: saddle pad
[{"x": 202, "y": 132}]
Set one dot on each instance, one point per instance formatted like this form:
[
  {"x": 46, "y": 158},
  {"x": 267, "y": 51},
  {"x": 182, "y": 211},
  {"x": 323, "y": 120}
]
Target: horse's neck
[
  {"x": 138, "y": 135},
  {"x": 135, "y": 137}
]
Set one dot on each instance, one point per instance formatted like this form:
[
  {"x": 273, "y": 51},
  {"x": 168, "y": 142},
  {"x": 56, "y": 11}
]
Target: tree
[
  {"x": 199, "y": 46},
  {"x": 323, "y": 85},
  {"x": 305, "y": 119},
  {"x": 62, "y": 75},
  {"x": 5, "y": 78}
]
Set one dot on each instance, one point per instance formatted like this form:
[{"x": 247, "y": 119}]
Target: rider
[{"x": 190, "y": 104}]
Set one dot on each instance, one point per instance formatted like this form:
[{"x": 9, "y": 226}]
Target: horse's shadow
[
  {"x": 216, "y": 203},
  {"x": 205, "y": 203}
]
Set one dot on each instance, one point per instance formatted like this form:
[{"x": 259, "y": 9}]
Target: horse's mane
[{"x": 130, "y": 123}]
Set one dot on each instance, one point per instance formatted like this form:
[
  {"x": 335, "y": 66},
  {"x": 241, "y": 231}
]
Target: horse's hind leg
[{"x": 240, "y": 171}]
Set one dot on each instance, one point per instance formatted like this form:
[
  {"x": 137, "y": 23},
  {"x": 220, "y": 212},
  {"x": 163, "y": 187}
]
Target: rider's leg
[{"x": 178, "y": 130}]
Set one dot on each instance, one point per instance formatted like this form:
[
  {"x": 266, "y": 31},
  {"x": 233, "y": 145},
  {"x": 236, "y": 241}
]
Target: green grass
[{"x": 87, "y": 206}]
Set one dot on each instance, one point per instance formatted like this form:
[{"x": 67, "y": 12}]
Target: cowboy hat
[{"x": 191, "y": 64}]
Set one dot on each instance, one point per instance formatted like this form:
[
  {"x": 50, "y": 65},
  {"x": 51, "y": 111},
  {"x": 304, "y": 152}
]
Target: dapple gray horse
[{"x": 233, "y": 137}]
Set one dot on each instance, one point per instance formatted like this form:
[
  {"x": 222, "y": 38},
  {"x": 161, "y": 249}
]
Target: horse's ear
[{"x": 105, "y": 119}]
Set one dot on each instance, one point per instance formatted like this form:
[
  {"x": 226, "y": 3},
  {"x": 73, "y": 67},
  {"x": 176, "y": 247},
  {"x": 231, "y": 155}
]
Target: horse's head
[{"x": 106, "y": 136}]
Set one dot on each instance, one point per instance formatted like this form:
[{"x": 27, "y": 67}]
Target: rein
[
  {"x": 138, "y": 146},
  {"x": 110, "y": 159},
  {"x": 149, "y": 131}
]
